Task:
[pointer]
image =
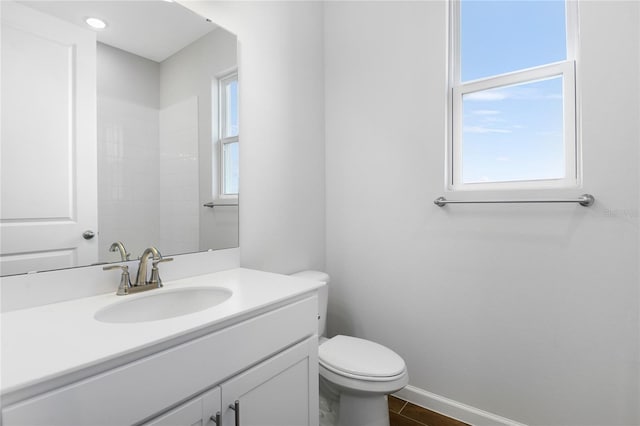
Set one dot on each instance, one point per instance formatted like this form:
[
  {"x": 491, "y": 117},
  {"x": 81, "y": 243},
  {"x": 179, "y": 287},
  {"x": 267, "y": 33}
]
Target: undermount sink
[{"x": 162, "y": 304}]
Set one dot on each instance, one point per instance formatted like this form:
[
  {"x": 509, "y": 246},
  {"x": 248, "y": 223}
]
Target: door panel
[{"x": 48, "y": 149}]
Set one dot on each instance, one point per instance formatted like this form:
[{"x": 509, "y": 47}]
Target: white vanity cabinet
[
  {"x": 280, "y": 392},
  {"x": 197, "y": 412},
  {"x": 266, "y": 360}
]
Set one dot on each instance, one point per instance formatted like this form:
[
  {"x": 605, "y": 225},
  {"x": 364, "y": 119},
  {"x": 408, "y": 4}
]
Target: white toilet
[{"x": 356, "y": 375}]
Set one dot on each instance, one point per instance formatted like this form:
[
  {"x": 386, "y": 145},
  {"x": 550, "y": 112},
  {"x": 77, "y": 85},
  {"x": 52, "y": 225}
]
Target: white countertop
[{"x": 47, "y": 342}]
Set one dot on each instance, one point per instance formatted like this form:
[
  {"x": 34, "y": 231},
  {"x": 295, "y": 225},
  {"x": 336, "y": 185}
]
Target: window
[
  {"x": 513, "y": 98},
  {"x": 229, "y": 132}
]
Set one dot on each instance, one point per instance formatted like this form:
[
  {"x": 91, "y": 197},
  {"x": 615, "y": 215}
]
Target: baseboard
[{"x": 453, "y": 409}]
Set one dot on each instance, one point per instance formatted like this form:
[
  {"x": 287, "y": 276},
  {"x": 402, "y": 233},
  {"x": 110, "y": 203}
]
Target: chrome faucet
[
  {"x": 141, "y": 283},
  {"x": 119, "y": 247},
  {"x": 141, "y": 277}
]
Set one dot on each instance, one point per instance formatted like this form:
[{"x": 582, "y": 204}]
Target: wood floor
[{"x": 403, "y": 413}]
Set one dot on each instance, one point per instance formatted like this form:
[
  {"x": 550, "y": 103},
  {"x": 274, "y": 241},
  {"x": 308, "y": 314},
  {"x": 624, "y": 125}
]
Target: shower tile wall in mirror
[{"x": 114, "y": 131}]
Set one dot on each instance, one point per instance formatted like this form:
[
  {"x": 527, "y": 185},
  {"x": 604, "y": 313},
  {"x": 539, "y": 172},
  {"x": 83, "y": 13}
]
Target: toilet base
[
  {"x": 343, "y": 408},
  {"x": 329, "y": 405},
  {"x": 363, "y": 410}
]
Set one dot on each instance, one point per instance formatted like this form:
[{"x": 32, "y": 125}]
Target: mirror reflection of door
[{"x": 48, "y": 142}]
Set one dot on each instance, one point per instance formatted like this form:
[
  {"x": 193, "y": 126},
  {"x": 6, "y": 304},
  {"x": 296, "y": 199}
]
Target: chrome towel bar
[
  {"x": 217, "y": 205},
  {"x": 585, "y": 200}
]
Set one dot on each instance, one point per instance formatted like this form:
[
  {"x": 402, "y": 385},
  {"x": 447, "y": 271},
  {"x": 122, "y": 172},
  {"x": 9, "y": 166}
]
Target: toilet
[{"x": 356, "y": 375}]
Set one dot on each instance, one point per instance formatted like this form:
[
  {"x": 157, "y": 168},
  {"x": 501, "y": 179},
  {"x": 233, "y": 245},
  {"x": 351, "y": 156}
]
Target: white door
[
  {"x": 48, "y": 142},
  {"x": 282, "y": 391}
]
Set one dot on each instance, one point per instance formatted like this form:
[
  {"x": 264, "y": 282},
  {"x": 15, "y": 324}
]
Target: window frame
[
  {"x": 456, "y": 89},
  {"x": 222, "y": 127}
]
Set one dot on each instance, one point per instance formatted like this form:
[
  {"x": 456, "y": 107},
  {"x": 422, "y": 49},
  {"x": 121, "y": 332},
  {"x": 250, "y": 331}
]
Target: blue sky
[
  {"x": 512, "y": 133},
  {"x": 232, "y": 109}
]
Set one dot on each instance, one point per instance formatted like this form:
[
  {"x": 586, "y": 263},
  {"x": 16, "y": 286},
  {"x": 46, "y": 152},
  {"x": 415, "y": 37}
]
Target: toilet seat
[
  {"x": 361, "y": 384},
  {"x": 359, "y": 359}
]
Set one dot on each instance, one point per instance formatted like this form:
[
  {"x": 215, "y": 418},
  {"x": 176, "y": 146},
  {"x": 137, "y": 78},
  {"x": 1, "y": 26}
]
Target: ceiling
[{"x": 153, "y": 29}]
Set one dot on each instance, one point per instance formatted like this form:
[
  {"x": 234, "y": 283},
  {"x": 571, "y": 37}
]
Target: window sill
[
  {"x": 228, "y": 200},
  {"x": 552, "y": 185},
  {"x": 513, "y": 193}
]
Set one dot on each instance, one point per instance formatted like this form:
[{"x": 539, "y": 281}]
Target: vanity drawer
[{"x": 138, "y": 390}]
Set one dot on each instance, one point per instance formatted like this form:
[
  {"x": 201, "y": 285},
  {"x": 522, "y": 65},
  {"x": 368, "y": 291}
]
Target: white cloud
[
  {"x": 480, "y": 129},
  {"x": 502, "y": 159},
  {"x": 486, "y": 112},
  {"x": 511, "y": 92},
  {"x": 532, "y": 94}
]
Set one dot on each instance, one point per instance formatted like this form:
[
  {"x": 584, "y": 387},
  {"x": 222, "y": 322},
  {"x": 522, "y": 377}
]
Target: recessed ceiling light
[{"x": 96, "y": 23}]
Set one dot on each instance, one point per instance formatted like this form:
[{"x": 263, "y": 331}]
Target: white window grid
[
  {"x": 222, "y": 131},
  {"x": 457, "y": 89}
]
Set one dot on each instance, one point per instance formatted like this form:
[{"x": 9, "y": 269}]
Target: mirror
[{"x": 126, "y": 134}]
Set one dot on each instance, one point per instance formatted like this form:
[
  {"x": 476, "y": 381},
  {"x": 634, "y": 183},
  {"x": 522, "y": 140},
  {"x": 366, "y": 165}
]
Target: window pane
[
  {"x": 231, "y": 98},
  {"x": 231, "y": 157},
  {"x": 514, "y": 133},
  {"x": 503, "y": 36}
]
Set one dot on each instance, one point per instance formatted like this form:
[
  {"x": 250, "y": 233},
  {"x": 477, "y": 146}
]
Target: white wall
[
  {"x": 530, "y": 312},
  {"x": 526, "y": 311},
  {"x": 178, "y": 176},
  {"x": 282, "y": 221},
  {"x": 128, "y": 190},
  {"x": 190, "y": 73}
]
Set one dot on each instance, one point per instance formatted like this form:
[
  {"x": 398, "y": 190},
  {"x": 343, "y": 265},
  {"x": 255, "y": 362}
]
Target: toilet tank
[{"x": 323, "y": 296}]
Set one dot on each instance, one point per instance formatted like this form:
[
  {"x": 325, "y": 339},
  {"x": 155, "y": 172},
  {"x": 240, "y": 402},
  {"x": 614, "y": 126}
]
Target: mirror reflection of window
[{"x": 229, "y": 135}]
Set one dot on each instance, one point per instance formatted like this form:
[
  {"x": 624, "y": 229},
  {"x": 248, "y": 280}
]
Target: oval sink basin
[{"x": 162, "y": 304}]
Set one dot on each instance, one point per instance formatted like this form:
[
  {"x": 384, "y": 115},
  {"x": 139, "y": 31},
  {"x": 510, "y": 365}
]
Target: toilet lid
[{"x": 360, "y": 357}]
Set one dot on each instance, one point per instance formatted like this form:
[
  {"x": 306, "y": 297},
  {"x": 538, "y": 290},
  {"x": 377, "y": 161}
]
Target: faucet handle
[
  {"x": 125, "y": 279},
  {"x": 155, "y": 272},
  {"x": 110, "y": 267},
  {"x": 154, "y": 263}
]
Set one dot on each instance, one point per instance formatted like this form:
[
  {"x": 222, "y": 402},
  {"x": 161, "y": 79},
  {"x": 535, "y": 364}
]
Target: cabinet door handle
[
  {"x": 236, "y": 407},
  {"x": 217, "y": 419}
]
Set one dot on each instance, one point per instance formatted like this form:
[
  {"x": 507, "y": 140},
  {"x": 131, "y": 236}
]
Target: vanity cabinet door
[
  {"x": 282, "y": 391},
  {"x": 196, "y": 412}
]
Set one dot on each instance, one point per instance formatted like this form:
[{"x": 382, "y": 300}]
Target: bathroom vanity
[{"x": 239, "y": 358}]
